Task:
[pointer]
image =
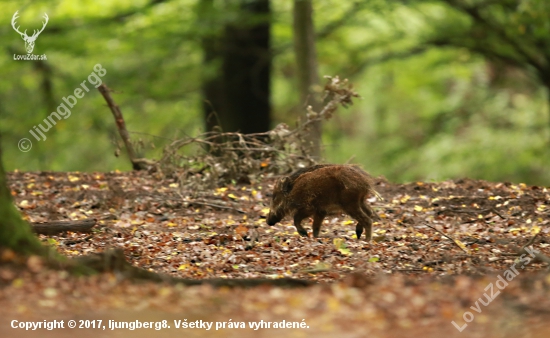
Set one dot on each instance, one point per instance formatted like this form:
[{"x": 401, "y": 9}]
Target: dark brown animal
[{"x": 322, "y": 190}]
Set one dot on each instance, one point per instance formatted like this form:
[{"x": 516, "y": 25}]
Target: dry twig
[{"x": 455, "y": 241}]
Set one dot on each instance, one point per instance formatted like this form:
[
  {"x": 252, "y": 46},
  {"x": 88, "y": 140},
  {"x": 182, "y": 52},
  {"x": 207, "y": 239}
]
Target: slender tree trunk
[
  {"x": 548, "y": 111},
  {"x": 212, "y": 83},
  {"x": 544, "y": 77},
  {"x": 306, "y": 62},
  {"x": 46, "y": 86}
]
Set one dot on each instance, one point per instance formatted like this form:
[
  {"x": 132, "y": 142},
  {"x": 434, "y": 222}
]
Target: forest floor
[{"x": 456, "y": 258}]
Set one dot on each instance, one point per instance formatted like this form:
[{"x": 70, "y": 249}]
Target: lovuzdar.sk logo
[{"x": 29, "y": 40}]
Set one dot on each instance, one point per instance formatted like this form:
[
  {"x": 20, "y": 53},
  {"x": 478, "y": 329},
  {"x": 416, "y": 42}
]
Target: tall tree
[
  {"x": 212, "y": 83},
  {"x": 306, "y": 62},
  {"x": 238, "y": 85}
]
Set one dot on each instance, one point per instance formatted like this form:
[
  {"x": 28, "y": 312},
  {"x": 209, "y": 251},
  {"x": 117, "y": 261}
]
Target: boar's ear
[{"x": 286, "y": 184}]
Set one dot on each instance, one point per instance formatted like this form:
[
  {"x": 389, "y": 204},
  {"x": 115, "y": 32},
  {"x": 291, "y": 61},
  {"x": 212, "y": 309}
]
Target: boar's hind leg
[
  {"x": 363, "y": 220},
  {"x": 368, "y": 210},
  {"x": 298, "y": 218},
  {"x": 317, "y": 221}
]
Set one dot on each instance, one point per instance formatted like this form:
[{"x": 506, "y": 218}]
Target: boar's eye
[{"x": 286, "y": 185}]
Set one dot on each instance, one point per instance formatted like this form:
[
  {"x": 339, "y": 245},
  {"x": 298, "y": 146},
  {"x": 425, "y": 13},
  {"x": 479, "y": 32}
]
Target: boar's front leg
[
  {"x": 317, "y": 221},
  {"x": 298, "y": 218}
]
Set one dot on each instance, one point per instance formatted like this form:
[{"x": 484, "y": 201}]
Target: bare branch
[
  {"x": 479, "y": 18},
  {"x": 455, "y": 241},
  {"x": 137, "y": 164}
]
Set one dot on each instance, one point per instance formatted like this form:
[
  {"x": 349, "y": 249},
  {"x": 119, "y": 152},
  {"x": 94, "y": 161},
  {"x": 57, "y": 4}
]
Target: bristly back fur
[
  {"x": 291, "y": 179},
  {"x": 289, "y": 182}
]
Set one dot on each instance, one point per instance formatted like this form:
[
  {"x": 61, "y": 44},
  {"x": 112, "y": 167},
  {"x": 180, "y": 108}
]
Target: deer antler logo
[{"x": 29, "y": 40}]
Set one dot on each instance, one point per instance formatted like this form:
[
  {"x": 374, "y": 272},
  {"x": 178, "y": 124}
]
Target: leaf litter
[{"x": 435, "y": 249}]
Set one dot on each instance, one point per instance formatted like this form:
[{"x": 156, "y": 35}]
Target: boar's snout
[
  {"x": 272, "y": 218},
  {"x": 279, "y": 202}
]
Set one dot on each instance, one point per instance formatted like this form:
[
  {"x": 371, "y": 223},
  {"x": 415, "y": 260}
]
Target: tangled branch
[{"x": 215, "y": 158}]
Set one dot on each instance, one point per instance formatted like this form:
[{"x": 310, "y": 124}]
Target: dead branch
[
  {"x": 339, "y": 93},
  {"x": 455, "y": 241},
  {"x": 217, "y": 206},
  {"x": 210, "y": 204},
  {"x": 522, "y": 251},
  {"x": 137, "y": 164},
  {"x": 530, "y": 242},
  {"x": 314, "y": 270},
  {"x": 473, "y": 211},
  {"x": 224, "y": 157},
  {"x": 538, "y": 255},
  {"x": 76, "y": 241},
  {"x": 55, "y": 227},
  {"x": 497, "y": 213}
]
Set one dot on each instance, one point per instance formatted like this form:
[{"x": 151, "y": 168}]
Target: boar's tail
[
  {"x": 375, "y": 193},
  {"x": 369, "y": 180}
]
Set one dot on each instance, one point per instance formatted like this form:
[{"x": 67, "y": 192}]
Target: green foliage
[
  {"x": 451, "y": 90},
  {"x": 444, "y": 95}
]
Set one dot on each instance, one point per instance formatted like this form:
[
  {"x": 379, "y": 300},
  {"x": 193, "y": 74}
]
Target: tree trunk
[
  {"x": 306, "y": 62},
  {"x": 247, "y": 69},
  {"x": 212, "y": 76},
  {"x": 46, "y": 86},
  {"x": 548, "y": 111},
  {"x": 237, "y": 94},
  {"x": 15, "y": 233}
]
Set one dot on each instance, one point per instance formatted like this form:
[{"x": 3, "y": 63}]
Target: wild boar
[{"x": 322, "y": 190}]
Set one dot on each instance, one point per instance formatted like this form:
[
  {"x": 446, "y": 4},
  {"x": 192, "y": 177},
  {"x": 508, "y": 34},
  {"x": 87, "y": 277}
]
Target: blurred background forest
[{"x": 449, "y": 88}]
